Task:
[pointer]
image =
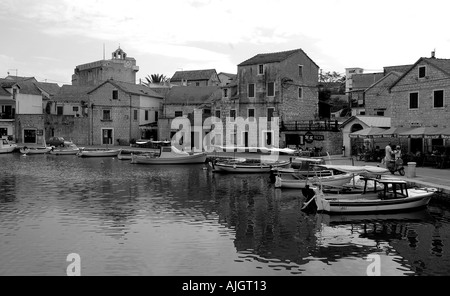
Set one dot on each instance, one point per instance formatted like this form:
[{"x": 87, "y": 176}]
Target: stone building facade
[
  {"x": 269, "y": 87},
  {"x": 378, "y": 99},
  {"x": 420, "y": 99},
  {"x": 120, "y": 68}
]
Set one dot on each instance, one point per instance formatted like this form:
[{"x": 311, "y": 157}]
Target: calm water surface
[{"x": 128, "y": 219}]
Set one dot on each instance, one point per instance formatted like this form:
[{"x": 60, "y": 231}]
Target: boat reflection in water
[{"x": 126, "y": 219}]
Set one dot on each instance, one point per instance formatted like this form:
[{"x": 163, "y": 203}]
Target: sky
[{"x": 47, "y": 39}]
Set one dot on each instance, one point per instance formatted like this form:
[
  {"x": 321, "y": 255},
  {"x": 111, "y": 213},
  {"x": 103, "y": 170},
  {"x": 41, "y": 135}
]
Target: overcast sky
[{"x": 47, "y": 39}]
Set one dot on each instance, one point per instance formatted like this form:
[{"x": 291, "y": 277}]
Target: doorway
[
  {"x": 29, "y": 136},
  {"x": 107, "y": 136}
]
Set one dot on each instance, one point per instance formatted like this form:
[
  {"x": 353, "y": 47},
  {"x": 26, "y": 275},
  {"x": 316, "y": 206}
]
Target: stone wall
[{"x": 426, "y": 114}]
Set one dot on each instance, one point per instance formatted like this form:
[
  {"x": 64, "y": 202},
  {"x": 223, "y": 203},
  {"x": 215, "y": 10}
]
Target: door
[
  {"x": 29, "y": 136},
  {"x": 107, "y": 136}
]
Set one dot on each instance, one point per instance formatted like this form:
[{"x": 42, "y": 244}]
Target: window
[
  {"x": 413, "y": 100},
  {"x": 251, "y": 112},
  {"x": 106, "y": 114},
  {"x": 260, "y": 69},
  {"x": 156, "y": 115},
  {"x": 225, "y": 92},
  {"x": 218, "y": 113},
  {"x": 270, "y": 89},
  {"x": 146, "y": 114},
  {"x": 422, "y": 72},
  {"x": 300, "y": 71},
  {"x": 380, "y": 113},
  {"x": 59, "y": 110},
  {"x": 270, "y": 113},
  {"x": 115, "y": 94},
  {"x": 233, "y": 114},
  {"x": 135, "y": 114},
  {"x": 75, "y": 109},
  {"x": 251, "y": 90},
  {"x": 300, "y": 92},
  {"x": 178, "y": 113},
  {"x": 197, "y": 84},
  {"x": 438, "y": 99}
]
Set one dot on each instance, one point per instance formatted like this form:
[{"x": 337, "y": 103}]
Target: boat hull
[
  {"x": 327, "y": 181},
  {"x": 246, "y": 168},
  {"x": 64, "y": 152},
  {"x": 416, "y": 199},
  {"x": 7, "y": 149},
  {"x": 40, "y": 150},
  {"x": 183, "y": 159},
  {"x": 98, "y": 153}
]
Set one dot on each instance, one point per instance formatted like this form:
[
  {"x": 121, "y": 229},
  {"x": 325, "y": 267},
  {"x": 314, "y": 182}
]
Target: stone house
[
  {"x": 67, "y": 112},
  {"x": 25, "y": 111},
  {"x": 281, "y": 85},
  {"x": 226, "y": 78},
  {"x": 192, "y": 104},
  {"x": 377, "y": 97},
  {"x": 206, "y": 77},
  {"x": 118, "y": 110},
  {"x": 420, "y": 99}
]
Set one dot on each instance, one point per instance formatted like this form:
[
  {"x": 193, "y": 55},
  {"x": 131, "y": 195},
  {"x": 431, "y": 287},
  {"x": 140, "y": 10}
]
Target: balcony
[
  {"x": 7, "y": 116},
  {"x": 310, "y": 125}
]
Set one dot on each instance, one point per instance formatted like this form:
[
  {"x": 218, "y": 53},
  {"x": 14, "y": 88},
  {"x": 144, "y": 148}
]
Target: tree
[{"x": 155, "y": 79}]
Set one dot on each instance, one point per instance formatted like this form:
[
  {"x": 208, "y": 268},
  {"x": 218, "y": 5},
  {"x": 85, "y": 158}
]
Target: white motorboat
[
  {"x": 6, "y": 146},
  {"x": 170, "y": 155},
  {"x": 394, "y": 196}
]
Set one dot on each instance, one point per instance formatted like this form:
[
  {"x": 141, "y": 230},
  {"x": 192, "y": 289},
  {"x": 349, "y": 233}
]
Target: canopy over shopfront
[
  {"x": 367, "y": 132},
  {"x": 392, "y": 132},
  {"x": 422, "y": 132}
]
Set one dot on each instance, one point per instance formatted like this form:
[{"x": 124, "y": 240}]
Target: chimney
[{"x": 433, "y": 54}]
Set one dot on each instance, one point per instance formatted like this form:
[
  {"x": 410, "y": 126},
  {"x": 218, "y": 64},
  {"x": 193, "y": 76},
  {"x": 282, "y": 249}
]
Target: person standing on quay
[{"x": 387, "y": 154}]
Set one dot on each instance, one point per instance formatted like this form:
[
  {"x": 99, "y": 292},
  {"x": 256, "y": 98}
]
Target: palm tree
[{"x": 155, "y": 79}]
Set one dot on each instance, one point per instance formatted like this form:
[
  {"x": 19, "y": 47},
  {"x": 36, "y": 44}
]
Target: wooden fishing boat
[
  {"x": 128, "y": 155},
  {"x": 6, "y": 146},
  {"x": 246, "y": 165},
  {"x": 68, "y": 148},
  {"x": 330, "y": 179},
  {"x": 394, "y": 196},
  {"x": 170, "y": 155},
  {"x": 100, "y": 152}
]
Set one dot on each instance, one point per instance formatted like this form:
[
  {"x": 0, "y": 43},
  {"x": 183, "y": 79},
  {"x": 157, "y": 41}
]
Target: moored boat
[
  {"x": 394, "y": 196},
  {"x": 6, "y": 146},
  {"x": 68, "y": 148},
  {"x": 329, "y": 179},
  {"x": 100, "y": 152},
  {"x": 170, "y": 155},
  {"x": 246, "y": 165},
  {"x": 128, "y": 155},
  {"x": 35, "y": 150}
]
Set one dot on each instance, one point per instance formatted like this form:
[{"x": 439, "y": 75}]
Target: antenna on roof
[{"x": 103, "y": 51}]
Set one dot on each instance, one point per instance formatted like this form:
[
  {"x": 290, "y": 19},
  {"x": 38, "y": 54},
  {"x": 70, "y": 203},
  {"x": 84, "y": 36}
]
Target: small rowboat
[
  {"x": 35, "y": 150},
  {"x": 247, "y": 166},
  {"x": 98, "y": 152},
  {"x": 170, "y": 155}
]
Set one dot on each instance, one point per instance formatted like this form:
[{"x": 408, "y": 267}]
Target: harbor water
[{"x": 131, "y": 219}]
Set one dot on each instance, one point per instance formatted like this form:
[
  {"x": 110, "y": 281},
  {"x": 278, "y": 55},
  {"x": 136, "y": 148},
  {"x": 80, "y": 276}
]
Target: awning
[
  {"x": 392, "y": 132},
  {"x": 366, "y": 133},
  {"x": 6, "y": 100},
  {"x": 421, "y": 132},
  {"x": 444, "y": 133}
]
